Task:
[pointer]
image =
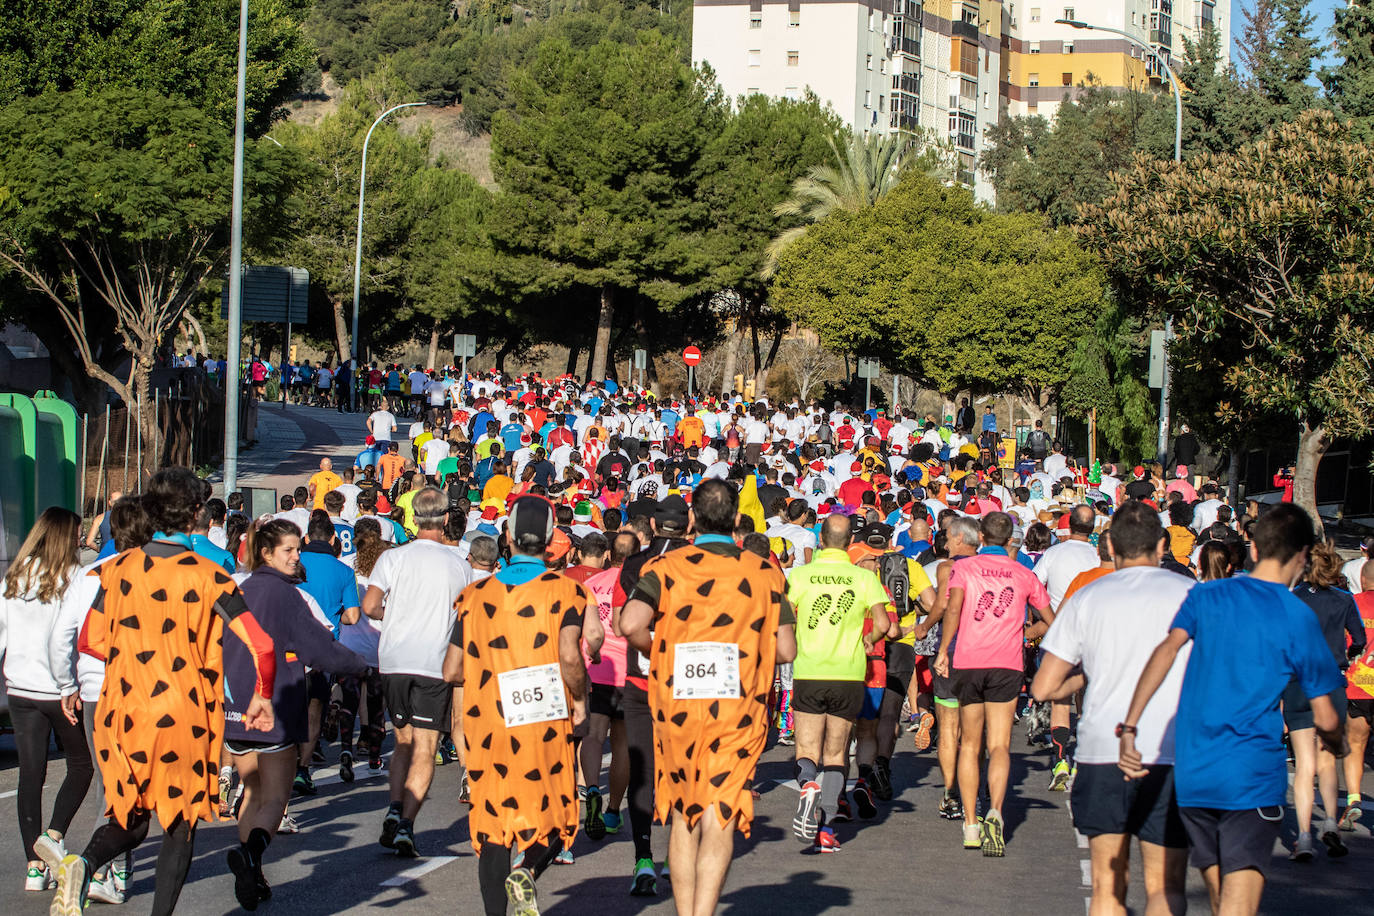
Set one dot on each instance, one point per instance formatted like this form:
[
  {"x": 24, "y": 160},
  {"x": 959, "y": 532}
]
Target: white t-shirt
[
  {"x": 350, "y": 493},
  {"x": 433, "y": 452},
  {"x": 382, "y": 423},
  {"x": 1056, "y": 465},
  {"x": 1061, "y": 564},
  {"x": 299, "y": 516},
  {"x": 1111, "y": 627},
  {"x": 419, "y": 582},
  {"x": 1205, "y": 513},
  {"x": 1351, "y": 570},
  {"x": 801, "y": 539}
]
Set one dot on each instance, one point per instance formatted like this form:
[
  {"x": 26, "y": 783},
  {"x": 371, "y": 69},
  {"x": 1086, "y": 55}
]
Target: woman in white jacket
[{"x": 37, "y": 679}]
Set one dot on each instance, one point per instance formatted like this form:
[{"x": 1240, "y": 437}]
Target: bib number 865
[{"x": 528, "y": 695}]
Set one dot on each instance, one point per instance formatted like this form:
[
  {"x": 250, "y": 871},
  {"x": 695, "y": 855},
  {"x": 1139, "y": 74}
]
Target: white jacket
[
  {"x": 35, "y": 667},
  {"x": 76, "y": 606}
]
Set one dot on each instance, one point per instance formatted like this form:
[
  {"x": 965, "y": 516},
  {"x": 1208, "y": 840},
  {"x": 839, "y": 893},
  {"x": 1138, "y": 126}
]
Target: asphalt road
[{"x": 907, "y": 860}]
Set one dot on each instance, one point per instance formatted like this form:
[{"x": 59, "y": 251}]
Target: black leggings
[
  {"x": 352, "y": 693},
  {"x": 493, "y": 866},
  {"x": 173, "y": 862},
  {"x": 34, "y": 722},
  {"x": 639, "y": 735}
]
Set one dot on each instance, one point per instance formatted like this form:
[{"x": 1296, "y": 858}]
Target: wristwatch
[{"x": 1122, "y": 728}]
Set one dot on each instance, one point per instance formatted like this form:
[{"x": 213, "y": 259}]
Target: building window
[
  {"x": 882, "y": 103},
  {"x": 792, "y": 94},
  {"x": 756, "y": 19},
  {"x": 1068, "y": 47},
  {"x": 986, "y": 104},
  {"x": 1068, "y": 12},
  {"x": 868, "y": 61},
  {"x": 1034, "y": 80},
  {"x": 756, "y": 58},
  {"x": 1035, "y": 47},
  {"x": 1032, "y": 108},
  {"x": 868, "y": 98},
  {"x": 793, "y": 58},
  {"x": 882, "y": 65},
  {"x": 794, "y": 19},
  {"x": 969, "y": 16},
  {"x": 1068, "y": 79},
  {"x": 872, "y": 20},
  {"x": 754, "y": 90},
  {"x": 1035, "y": 14}
]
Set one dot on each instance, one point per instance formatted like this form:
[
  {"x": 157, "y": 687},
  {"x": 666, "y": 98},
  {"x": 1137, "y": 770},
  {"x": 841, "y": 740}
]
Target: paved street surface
[
  {"x": 906, "y": 861},
  {"x": 292, "y": 441}
]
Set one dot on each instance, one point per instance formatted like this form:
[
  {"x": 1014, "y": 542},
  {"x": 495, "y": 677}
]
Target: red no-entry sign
[{"x": 691, "y": 356}]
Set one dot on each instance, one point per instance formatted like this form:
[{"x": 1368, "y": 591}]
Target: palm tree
[{"x": 867, "y": 169}]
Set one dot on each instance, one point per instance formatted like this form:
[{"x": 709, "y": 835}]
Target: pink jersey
[
  {"x": 604, "y": 586},
  {"x": 997, "y": 591}
]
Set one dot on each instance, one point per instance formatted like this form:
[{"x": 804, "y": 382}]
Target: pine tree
[
  {"x": 1350, "y": 83},
  {"x": 1278, "y": 49}
]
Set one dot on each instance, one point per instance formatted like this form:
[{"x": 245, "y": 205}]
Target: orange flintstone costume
[{"x": 705, "y": 750}]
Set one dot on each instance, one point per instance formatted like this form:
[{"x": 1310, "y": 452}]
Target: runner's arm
[
  {"x": 574, "y": 669},
  {"x": 372, "y": 603},
  {"x": 1056, "y": 680},
  {"x": 636, "y": 617},
  {"x": 1328, "y": 725},
  {"x": 1156, "y": 669},
  {"x": 453, "y": 658},
  {"x": 1036, "y": 630},
  {"x": 937, "y": 607},
  {"x": 954, "y": 598}
]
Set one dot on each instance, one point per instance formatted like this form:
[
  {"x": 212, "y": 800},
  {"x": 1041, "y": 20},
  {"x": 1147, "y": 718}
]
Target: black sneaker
[
  {"x": 346, "y": 766},
  {"x": 593, "y": 824},
  {"x": 390, "y": 824},
  {"x": 317, "y": 755},
  {"x": 404, "y": 841},
  {"x": 303, "y": 784},
  {"x": 842, "y": 812},
  {"x": 881, "y": 783},
  {"x": 951, "y": 809},
  {"x": 863, "y": 801},
  {"x": 245, "y": 883}
]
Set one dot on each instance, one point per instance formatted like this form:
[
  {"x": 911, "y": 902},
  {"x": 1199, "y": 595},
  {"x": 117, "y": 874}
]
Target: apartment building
[{"x": 883, "y": 65}]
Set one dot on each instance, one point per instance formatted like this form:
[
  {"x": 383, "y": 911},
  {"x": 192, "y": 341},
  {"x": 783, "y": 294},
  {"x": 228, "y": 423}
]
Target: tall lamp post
[
  {"x": 358, "y": 252},
  {"x": 231, "y": 354},
  {"x": 1163, "y": 444}
]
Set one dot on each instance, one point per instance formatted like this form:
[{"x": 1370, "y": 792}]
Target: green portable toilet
[
  {"x": 18, "y": 420},
  {"x": 55, "y": 440}
]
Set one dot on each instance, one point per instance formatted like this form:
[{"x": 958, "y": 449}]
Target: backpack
[
  {"x": 1038, "y": 442},
  {"x": 896, "y": 578}
]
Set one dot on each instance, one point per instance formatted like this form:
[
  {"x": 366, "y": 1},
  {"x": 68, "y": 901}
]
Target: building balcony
[
  {"x": 908, "y": 46},
  {"x": 961, "y": 29},
  {"x": 902, "y": 121},
  {"x": 1161, "y": 37}
]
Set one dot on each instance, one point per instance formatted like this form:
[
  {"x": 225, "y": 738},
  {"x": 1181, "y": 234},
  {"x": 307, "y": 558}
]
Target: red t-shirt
[
  {"x": 852, "y": 490},
  {"x": 1365, "y": 602}
]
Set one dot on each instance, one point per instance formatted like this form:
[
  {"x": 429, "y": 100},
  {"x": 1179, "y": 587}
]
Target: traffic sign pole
[{"x": 691, "y": 356}]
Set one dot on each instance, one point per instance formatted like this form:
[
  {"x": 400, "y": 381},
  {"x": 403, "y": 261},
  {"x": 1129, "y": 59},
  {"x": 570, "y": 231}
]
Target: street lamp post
[
  {"x": 1163, "y": 443},
  {"x": 231, "y": 353},
  {"x": 358, "y": 252}
]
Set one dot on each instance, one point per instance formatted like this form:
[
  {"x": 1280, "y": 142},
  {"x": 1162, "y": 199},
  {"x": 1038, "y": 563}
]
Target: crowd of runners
[{"x": 538, "y": 571}]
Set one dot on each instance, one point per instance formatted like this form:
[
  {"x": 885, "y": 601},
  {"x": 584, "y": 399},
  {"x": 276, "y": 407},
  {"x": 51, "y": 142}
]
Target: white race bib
[
  {"x": 706, "y": 671},
  {"x": 533, "y": 694}
]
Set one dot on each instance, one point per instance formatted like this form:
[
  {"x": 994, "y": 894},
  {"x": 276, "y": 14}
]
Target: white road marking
[
  {"x": 415, "y": 872},
  {"x": 1087, "y": 866},
  {"x": 10, "y": 794},
  {"x": 1082, "y": 840}
]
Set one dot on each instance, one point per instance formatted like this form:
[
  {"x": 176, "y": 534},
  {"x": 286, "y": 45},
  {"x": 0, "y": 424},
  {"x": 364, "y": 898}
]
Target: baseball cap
[
  {"x": 672, "y": 510},
  {"x": 530, "y": 514},
  {"x": 875, "y": 535},
  {"x": 559, "y": 545}
]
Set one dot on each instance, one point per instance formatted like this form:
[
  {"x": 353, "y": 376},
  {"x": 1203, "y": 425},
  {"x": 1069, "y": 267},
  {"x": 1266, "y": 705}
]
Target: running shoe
[
  {"x": 404, "y": 841},
  {"x": 925, "y": 721},
  {"x": 1059, "y": 776},
  {"x": 51, "y": 850},
  {"x": 72, "y": 880},
  {"x": 842, "y": 813},
  {"x": 592, "y": 823},
  {"x": 520, "y": 893},
  {"x": 304, "y": 784},
  {"x": 245, "y": 887},
  {"x": 612, "y": 821},
  {"x": 973, "y": 838},
  {"x": 123, "y": 870},
  {"x": 663, "y": 873},
  {"x": 825, "y": 840},
  {"x": 863, "y": 801},
  {"x": 38, "y": 879},
  {"x": 882, "y": 780},
  {"x": 951, "y": 809},
  {"x": 1351, "y": 814},
  {"x": 786, "y": 739},
  {"x": 329, "y": 729},
  {"x": 450, "y": 749},
  {"x": 644, "y": 883},
  {"x": 374, "y": 757},
  {"x": 564, "y": 857},
  {"x": 808, "y": 816},
  {"x": 288, "y": 824},
  {"x": 346, "y": 766},
  {"x": 1303, "y": 850},
  {"x": 464, "y": 793},
  {"x": 390, "y": 824},
  {"x": 103, "y": 890},
  {"x": 226, "y": 787},
  {"x": 993, "y": 843},
  {"x": 1335, "y": 846},
  {"x": 317, "y": 755}
]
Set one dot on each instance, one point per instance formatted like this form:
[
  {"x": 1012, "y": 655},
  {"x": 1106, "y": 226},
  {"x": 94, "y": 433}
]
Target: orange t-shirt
[
  {"x": 1086, "y": 577},
  {"x": 391, "y": 466}
]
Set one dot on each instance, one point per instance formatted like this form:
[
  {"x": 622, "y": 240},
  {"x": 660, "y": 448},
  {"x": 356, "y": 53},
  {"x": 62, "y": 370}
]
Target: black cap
[
  {"x": 874, "y": 535},
  {"x": 671, "y": 510}
]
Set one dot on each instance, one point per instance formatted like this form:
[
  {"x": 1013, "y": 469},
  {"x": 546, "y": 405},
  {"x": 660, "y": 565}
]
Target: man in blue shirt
[
  {"x": 371, "y": 455},
  {"x": 511, "y": 433},
  {"x": 201, "y": 543},
  {"x": 1249, "y": 637},
  {"x": 989, "y": 420}
]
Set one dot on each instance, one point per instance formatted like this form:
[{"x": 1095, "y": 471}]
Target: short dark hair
[
  {"x": 320, "y": 529},
  {"x": 1180, "y": 514},
  {"x": 714, "y": 507},
  {"x": 1283, "y": 532},
  {"x": 996, "y": 528},
  {"x": 1135, "y": 530},
  {"x": 1082, "y": 520}
]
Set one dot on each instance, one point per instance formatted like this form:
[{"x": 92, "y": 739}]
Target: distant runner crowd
[{"x": 516, "y": 575}]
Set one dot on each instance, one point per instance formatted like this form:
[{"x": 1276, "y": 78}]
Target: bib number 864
[{"x": 700, "y": 671}]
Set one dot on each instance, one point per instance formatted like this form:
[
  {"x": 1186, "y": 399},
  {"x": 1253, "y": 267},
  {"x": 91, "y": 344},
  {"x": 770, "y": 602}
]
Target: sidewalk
[{"x": 292, "y": 442}]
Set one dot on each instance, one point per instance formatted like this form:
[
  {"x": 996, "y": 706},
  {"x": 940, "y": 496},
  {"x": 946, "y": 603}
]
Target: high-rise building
[
  {"x": 883, "y": 65},
  {"x": 1047, "y": 61}
]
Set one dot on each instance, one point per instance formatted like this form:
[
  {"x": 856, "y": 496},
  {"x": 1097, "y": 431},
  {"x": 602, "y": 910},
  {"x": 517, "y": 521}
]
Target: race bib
[
  {"x": 530, "y": 695},
  {"x": 706, "y": 671}
]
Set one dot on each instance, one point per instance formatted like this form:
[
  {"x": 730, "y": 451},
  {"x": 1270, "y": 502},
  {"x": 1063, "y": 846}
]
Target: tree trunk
[
  {"x": 727, "y": 372},
  {"x": 1313, "y": 442},
  {"x": 506, "y": 348},
  {"x": 573, "y": 351},
  {"x": 433, "y": 345},
  {"x": 604, "y": 319},
  {"x": 761, "y": 377},
  {"x": 341, "y": 346},
  {"x": 1233, "y": 476}
]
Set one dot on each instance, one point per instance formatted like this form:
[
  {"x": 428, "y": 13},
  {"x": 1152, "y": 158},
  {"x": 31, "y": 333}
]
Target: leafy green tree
[
  {"x": 1278, "y": 49},
  {"x": 119, "y": 201},
  {"x": 1350, "y": 82},
  {"x": 599, "y": 160},
  {"x": 1106, "y": 374},
  {"x": 323, "y": 234},
  {"x": 1263, "y": 259},
  {"x": 179, "y": 48},
  {"x": 419, "y": 42}
]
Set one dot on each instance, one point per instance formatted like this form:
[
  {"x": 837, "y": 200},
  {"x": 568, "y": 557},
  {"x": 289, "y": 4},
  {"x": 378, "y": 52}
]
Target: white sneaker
[
  {"x": 50, "y": 850},
  {"x": 288, "y": 825},
  {"x": 122, "y": 872},
  {"x": 103, "y": 890},
  {"x": 39, "y": 878}
]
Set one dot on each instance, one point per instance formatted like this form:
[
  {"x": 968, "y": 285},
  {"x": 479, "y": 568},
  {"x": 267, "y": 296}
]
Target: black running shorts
[
  {"x": 419, "y": 701},
  {"x": 985, "y": 685},
  {"x": 842, "y": 699},
  {"x": 1233, "y": 840},
  {"x": 1105, "y": 803}
]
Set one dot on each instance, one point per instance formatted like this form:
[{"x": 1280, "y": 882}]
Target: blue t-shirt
[
  {"x": 1250, "y": 637},
  {"x": 510, "y": 437},
  {"x": 594, "y": 405},
  {"x": 344, "y": 532},
  {"x": 330, "y": 583},
  {"x": 909, "y": 548},
  {"x": 215, "y": 554},
  {"x": 670, "y": 419},
  {"x": 478, "y": 427},
  {"x": 368, "y": 456}
]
